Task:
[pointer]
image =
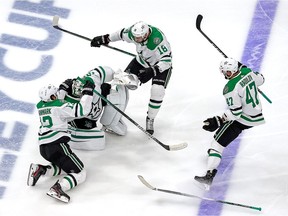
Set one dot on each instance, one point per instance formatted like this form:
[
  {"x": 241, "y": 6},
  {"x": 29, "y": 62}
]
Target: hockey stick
[
  {"x": 198, "y": 26},
  {"x": 167, "y": 147},
  {"x": 141, "y": 178},
  {"x": 56, "y": 26}
]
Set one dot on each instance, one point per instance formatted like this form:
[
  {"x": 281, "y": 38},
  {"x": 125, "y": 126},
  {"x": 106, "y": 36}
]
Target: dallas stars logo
[{"x": 96, "y": 110}]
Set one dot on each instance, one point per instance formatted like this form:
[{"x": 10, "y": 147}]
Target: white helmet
[
  {"x": 229, "y": 65},
  {"x": 46, "y": 92},
  {"x": 140, "y": 31}
]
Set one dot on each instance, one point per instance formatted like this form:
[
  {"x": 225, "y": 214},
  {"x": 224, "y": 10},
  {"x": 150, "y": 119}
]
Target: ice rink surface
[{"x": 255, "y": 173}]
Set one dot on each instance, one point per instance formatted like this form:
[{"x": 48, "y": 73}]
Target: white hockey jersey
[
  {"x": 242, "y": 98},
  {"x": 54, "y": 117},
  {"x": 98, "y": 76},
  {"x": 155, "y": 50}
]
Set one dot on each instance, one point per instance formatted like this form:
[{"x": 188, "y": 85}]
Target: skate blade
[
  {"x": 202, "y": 186},
  {"x": 108, "y": 130},
  {"x": 60, "y": 198},
  {"x": 30, "y": 178}
]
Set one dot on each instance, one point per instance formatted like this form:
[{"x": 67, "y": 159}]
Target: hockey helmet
[
  {"x": 228, "y": 67},
  {"x": 77, "y": 88},
  {"x": 46, "y": 92},
  {"x": 140, "y": 31}
]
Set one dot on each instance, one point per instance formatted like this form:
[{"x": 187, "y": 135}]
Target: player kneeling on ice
[
  {"x": 245, "y": 111},
  {"x": 85, "y": 133},
  {"x": 54, "y": 138}
]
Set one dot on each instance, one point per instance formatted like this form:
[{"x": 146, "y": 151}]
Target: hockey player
[
  {"x": 244, "y": 112},
  {"x": 154, "y": 61},
  {"x": 85, "y": 134},
  {"x": 54, "y": 138}
]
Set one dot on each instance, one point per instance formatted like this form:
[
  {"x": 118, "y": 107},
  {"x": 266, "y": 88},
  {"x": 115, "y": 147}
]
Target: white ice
[{"x": 260, "y": 174}]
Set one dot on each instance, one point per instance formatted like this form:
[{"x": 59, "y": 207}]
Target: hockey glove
[
  {"x": 88, "y": 88},
  {"x": 146, "y": 74},
  {"x": 211, "y": 124},
  {"x": 66, "y": 86},
  {"x": 105, "y": 90},
  {"x": 100, "y": 40}
]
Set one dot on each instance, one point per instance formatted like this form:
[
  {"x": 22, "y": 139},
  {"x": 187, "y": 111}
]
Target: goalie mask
[
  {"x": 228, "y": 67},
  {"x": 46, "y": 93},
  {"x": 140, "y": 32},
  {"x": 77, "y": 87}
]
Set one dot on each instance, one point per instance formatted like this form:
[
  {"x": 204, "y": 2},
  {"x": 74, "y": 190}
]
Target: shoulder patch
[
  {"x": 156, "y": 40},
  {"x": 226, "y": 89}
]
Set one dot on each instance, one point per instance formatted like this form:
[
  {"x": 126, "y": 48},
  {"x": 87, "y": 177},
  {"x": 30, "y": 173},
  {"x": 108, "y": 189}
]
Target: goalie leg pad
[
  {"x": 156, "y": 98},
  {"x": 105, "y": 73},
  {"x": 111, "y": 118},
  {"x": 130, "y": 80},
  {"x": 84, "y": 139}
]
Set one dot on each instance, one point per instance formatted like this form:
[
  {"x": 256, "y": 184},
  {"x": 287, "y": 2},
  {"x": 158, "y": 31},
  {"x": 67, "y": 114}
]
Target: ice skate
[
  {"x": 112, "y": 131},
  {"x": 206, "y": 180},
  {"x": 35, "y": 171},
  {"x": 120, "y": 129},
  {"x": 149, "y": 125},
  {"x": 57, "y": 193},
  {"x": 108, "y": 130}
]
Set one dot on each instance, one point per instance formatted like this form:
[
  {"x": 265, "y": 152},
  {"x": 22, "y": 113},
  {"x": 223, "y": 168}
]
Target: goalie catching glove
[
  {"x": 146, "y": 74},
  {"x": 212, "y": 124},
  {"x": 66, "y": 86},
  {"x": 88, "y": 88},
  {"x": 100, "y": 40}
]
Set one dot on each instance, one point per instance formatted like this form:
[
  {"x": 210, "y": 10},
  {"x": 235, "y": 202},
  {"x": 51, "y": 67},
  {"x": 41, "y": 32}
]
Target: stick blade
[
  {"x": 198, "y": 21},
  {"x": 141, "y": 178},
  {"x": 179, "y": 146},
  {"x": 55, "y": 20}
]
